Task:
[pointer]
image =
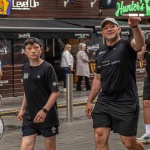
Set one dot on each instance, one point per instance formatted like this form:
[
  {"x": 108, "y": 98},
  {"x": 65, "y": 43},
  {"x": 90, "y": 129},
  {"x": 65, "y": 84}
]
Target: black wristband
[
  {"x": 134, "y": 26},
  {"x": 45, "y": 110}
]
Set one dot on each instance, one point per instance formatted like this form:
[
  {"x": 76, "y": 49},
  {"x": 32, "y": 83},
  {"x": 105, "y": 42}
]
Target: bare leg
[
  {"x": 28, "y": 142},
  {"x": 101, "y": 136},
  {"x": 131, "y": 143},
  {"x": 146, "y": 105},
  {"x": 50, "y": 143}
]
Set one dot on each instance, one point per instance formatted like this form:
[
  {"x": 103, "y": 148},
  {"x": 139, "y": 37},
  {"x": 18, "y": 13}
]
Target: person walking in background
[
  {"x": 82, "y": 67},
  {"x": 67, "y": 62},
  {"x": 145, "y": 54},
  {"x": 38, "y": 109},
  {"x": 117, "y": 105}
]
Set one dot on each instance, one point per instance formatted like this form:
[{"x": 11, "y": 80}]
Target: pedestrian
[
  {"x": 145, "y": 54},
  {"x": 67, "y": 62},
  {"x": 38, "y": 109},
  {"x": 117, "y": 105},
  {"x": 82, "y": 67}
]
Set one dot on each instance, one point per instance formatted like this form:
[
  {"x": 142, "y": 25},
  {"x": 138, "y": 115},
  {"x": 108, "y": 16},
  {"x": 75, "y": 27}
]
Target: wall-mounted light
[
  {"x": 68, "y": 1},
  {"x": 92, "y": 3}
]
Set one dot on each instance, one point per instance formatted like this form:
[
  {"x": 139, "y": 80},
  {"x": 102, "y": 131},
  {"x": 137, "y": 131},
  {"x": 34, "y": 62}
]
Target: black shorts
[
  {"x": 122, "y": 119},
  {"x": 146, "y": 89},
  {"x": 46, "y": 132},
  {"x": 30, "y": 128}
]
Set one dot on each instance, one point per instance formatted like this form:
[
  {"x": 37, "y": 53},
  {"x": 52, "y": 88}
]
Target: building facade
[{"x": 55, "y": 23}]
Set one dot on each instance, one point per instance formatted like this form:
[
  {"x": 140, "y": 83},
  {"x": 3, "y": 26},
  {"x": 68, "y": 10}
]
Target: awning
[
  {"x": 95, "y": 23},
  {"x": 39, "y": 25}
]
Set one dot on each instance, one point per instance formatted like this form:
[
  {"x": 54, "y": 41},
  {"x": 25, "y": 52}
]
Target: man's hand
[
  {"x": 40, "y": 117},
  {"x": 133, "y": 21},
  {"x": 89, "y": 108},
  {"x": 20, "y": 115}
]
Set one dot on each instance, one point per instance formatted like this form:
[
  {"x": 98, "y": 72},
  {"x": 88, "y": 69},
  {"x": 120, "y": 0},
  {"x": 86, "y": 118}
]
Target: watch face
[{"x": 45, "y": 110}]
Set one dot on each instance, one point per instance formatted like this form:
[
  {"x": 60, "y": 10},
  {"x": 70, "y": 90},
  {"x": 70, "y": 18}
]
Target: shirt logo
[
  {"x": 38, "y": 76},
  {"x": 25, "y": 76},
  {"x": 102, "y": 52},
  {"x": 53, "y": 129},
  {"x": 54, "y": 83}
]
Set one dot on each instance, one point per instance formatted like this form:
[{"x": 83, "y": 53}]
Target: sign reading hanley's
[
  {"x": 25, "y": 5},
  {"x": 134, "y": 7}
]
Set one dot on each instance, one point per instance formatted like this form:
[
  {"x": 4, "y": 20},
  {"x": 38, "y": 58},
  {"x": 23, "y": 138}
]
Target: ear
[{"x": 119, "y": 29}]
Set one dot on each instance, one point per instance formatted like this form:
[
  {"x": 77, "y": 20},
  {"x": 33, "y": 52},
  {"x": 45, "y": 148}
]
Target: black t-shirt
[
  {"x": 39, "y": 82},
  {"x": 117, "y": 66},
  {"x": 147, "y": 56}
]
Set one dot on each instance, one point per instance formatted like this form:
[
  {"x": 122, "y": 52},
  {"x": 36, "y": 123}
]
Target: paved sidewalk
[
  {"x": 74, "y": 135},
  {"x": 11, "y": 105}
]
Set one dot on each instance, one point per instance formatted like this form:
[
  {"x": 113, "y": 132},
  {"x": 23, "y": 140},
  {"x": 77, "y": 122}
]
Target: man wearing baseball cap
[{"x": 117, "y": 105}]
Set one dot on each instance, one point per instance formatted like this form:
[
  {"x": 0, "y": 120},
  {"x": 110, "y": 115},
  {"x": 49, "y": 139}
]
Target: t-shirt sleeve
[
  {"x": 98, "y": 71},
  {"x": 52, "y": 79}
]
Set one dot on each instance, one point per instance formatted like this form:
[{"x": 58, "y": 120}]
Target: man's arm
[
  {"x": 96, "y": 87},
  {"x": 138, "y": 41},
  {"x": 22, "y": 109},
  {"x": 140, "y": 55},
  {"x": 52, "y": 99},
  {"x": 41, "y": 115}
]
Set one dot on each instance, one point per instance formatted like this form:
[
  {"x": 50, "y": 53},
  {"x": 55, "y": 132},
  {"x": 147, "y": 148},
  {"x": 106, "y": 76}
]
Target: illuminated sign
[
  {"x": 141, "y": 8},
  {"x": 5, "y": 6},
  {"x": 25, "y": 5}
]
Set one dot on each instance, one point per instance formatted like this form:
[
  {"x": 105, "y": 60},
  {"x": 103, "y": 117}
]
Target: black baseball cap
[{"x": 32, "y": 40}]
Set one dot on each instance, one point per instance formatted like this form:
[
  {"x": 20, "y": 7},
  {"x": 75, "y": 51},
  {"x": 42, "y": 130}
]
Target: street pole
[{"x": 69, "y": 97}]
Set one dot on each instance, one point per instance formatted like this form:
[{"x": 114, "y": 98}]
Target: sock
[{"x": 147, "y": 128}]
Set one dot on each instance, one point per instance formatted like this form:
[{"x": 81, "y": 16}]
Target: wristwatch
[{"x": 45, "y": 110}]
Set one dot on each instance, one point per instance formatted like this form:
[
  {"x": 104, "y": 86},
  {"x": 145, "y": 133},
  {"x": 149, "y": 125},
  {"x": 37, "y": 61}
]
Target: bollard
[{"x": 69, "y": 97}]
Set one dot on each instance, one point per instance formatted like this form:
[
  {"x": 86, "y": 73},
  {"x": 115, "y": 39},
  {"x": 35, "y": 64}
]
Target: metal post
[{"x": 69, "y": 97}]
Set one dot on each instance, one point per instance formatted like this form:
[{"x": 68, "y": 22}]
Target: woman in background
[
  {"x": 67, "y": 62},
  {"x": 82, "y": 67}
]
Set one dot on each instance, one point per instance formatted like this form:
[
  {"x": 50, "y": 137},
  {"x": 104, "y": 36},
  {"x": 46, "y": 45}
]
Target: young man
[
  {"x": 145, "y": 54},
  {"x": 38, "y": 110},
  {"x": 117, "y": 106}
]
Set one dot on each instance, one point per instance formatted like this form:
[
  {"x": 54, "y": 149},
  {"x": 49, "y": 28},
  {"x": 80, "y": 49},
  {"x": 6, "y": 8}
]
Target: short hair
[
  {"x": 81, "y": 45},
  {"x": 31, "y": 41},
  {"x": 66, "y": 46}
]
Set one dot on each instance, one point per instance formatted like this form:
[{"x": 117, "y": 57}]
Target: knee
[
  {"x": 129, "y": 144},
  {"x": 146, "y": 104},
  {"x": 100, "y": 138}
]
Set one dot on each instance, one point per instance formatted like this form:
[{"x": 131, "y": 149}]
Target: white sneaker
[{"x": 144, "y": 138}]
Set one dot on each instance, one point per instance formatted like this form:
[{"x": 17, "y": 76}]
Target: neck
[
  {"x": 112, "y": 42},
  {"x": 36, "y": 62}
]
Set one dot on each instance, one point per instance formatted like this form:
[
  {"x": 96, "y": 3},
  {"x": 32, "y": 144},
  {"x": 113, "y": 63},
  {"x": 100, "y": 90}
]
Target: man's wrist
[
  {"x": 45, "y": 110},
  {"x": 134, "y": 26}
]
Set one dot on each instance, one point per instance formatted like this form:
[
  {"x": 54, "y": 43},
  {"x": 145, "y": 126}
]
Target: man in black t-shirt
[
  {"x": 39, "y": 109},
  {"x": 145, "y": 54},
  {"x": 117, "y": 105}
]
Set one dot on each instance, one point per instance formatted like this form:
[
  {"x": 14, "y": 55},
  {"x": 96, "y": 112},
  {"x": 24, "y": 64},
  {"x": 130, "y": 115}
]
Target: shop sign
[
  {"x": 2, "y": 82},
  {"x": 23, "y": 36},
  {"x": 82, "y": 35},
  {"x": 141, "y": 8},
  {"x": 3, "y": 50},
  {"x": 25, "y": 5},
  {"x": 5, "y": 7}
]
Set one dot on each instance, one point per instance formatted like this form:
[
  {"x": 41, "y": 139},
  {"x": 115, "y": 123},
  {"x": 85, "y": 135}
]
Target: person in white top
[{"x": 67, "y": 62}]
